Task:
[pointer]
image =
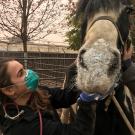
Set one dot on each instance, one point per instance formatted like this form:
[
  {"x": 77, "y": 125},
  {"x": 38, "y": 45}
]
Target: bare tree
[{"x": 30, "y": 19}]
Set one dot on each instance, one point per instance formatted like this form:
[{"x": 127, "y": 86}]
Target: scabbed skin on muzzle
[{"x": 98, "y": 67}]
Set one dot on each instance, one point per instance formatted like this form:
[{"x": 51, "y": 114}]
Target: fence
[{"x": 51, "y": 67}]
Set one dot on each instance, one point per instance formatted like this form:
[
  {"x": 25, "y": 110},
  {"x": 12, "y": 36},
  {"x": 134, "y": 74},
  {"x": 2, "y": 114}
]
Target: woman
[{"x": 27, "y": 110}]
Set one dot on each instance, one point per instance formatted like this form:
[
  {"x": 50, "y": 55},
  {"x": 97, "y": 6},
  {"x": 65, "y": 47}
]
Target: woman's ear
[{"x": 8, "y": 92}]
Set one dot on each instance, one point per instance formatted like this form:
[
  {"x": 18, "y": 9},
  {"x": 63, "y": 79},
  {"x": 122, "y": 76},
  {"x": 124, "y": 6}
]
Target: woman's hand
[{"x": 127, "y": 53}]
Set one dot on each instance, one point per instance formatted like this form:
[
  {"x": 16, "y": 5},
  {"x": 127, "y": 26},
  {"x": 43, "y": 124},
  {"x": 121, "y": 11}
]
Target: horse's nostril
[
  {"x": 81, "y": 61},
  {"x": 81, "y": 55},
  {"x": 114, "y": 64},
  {"x": 82, "y": 52},
  {"x": 116, "y": 54}
]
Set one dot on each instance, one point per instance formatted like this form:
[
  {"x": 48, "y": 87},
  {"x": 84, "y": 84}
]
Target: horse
[{"x": 104, "y": 33}]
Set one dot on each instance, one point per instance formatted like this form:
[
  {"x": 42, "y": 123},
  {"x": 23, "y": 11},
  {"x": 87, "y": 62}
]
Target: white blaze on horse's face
[{"x": 99, "y": 60}]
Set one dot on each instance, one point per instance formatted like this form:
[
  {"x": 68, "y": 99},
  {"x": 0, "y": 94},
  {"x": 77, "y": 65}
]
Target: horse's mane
[
  {"x": 89, "y": 8},
  {"x": 94, "y": 5}
]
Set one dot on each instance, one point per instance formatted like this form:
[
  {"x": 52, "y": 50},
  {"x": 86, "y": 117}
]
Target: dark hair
[
  {"x": 4, "y": 77},
  {"x": 39, "y": 100}
]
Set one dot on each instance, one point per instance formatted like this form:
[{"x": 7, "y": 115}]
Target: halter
[{"x": 119, "y": 34}]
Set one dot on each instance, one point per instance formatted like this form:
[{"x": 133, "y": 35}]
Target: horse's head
[{"x": 105, "y": 30}]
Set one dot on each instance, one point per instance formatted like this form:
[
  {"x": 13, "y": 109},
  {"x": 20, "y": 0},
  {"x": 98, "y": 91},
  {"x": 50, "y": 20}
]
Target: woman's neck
[{"x": 22, "y": 99}]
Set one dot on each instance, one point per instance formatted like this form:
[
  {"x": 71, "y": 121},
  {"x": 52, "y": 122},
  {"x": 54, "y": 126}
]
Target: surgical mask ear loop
[
  {"x": 10, "y": 117},
  {"x": 41, "y": 122}
]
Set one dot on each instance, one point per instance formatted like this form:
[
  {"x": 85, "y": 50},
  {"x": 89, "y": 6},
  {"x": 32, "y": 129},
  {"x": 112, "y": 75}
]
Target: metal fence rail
[{"x": 51, "y": 67}]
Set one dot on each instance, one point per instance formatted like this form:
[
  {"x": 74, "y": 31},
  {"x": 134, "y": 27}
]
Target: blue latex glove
[{"x": 90, "y": 97}]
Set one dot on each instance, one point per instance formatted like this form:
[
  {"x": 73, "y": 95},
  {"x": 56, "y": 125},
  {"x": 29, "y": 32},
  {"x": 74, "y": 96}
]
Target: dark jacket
[
  {"x": 129, "y": 78},
  {"x": 28, "y": 123}
]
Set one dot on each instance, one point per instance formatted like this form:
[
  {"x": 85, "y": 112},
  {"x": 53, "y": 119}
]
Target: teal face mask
[{"x": 31, "y": 80}]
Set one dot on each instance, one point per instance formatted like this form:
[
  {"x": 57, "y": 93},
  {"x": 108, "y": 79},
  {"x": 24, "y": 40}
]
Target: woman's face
[{"x": 17, "y": 74}]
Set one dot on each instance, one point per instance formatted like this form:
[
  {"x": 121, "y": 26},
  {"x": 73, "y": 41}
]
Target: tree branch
[
  {"x": 39, "y": 4},
  {"x": 29, "y": 7},
  {"x": 20, "y": 3},
  {"x": 41, "y": 19},
  {"x": 11, "y": 23},
  {"x": 39, "y": 23}
]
